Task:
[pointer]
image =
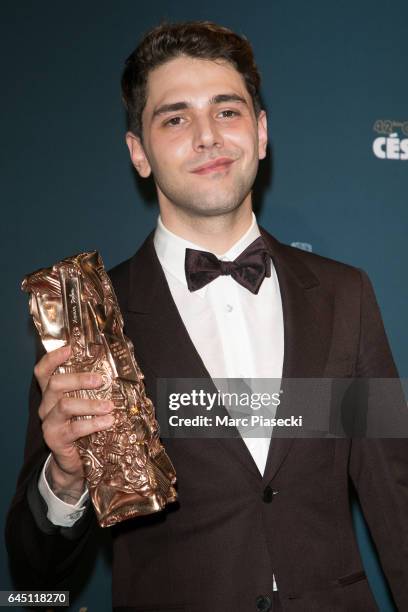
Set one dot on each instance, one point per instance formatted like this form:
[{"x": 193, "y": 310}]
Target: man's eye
[
  {"x": 173, "y": 121},
  {"x": 229, "y": 113}
]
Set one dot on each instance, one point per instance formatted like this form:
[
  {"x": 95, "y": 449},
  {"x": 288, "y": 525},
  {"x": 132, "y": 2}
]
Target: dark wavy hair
[{"x": 198, "y": 39}]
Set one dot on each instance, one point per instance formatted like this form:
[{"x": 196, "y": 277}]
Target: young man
[{"x": 259, "y": 525}]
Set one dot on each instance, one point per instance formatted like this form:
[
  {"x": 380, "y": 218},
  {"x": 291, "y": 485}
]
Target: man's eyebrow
[
  {"x": 177, "y": 106},
  {"x": 220, "y": 98},
  {"x": 169, "y": 108}
]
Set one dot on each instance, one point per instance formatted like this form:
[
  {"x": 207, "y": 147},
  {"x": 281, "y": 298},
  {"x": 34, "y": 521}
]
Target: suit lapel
[
  {"x": 307, "y": 315},
  {"x": 163, "y": 344}
]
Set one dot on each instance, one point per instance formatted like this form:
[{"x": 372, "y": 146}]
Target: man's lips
[{"x": 221, "y": 163}]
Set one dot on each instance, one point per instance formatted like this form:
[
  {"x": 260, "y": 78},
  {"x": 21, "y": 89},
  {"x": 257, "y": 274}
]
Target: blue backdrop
[{"x": 335, "y": 179}]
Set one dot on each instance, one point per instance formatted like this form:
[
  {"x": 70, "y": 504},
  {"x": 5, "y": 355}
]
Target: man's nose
[{"x": 207, "y": 134}]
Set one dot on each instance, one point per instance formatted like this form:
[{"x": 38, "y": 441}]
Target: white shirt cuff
[{"x": 59, "y": 512}]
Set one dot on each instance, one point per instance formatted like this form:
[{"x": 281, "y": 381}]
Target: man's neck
[{"x": 216, "y": 234}]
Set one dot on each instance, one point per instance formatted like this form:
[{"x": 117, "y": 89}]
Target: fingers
[
  {"x": 69, "y": 407},
  {"x": 85, "y": 427},
  {"x": 56, "y": 410},
  {"x": 49, "y": 363},
  {"x": 60, "y": 430},
  {"x": 63, "y": 383}
]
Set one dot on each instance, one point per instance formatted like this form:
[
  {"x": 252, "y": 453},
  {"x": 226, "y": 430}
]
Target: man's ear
[
  {"x": 137, "y": 155},
  {"x": 262, "y": 134}
]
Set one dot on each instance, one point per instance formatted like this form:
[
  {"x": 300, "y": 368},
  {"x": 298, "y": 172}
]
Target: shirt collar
[{"x": 171, "y": 249}]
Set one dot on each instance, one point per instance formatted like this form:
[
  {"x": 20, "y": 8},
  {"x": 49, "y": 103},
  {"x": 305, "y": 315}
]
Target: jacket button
[
  {"x": 268, "y": 494},
  {"x": 263, "y": 603}
]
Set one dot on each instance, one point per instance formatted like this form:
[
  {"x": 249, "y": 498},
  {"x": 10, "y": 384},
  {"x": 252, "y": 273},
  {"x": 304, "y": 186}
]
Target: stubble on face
[{"x": 213, "y": 200}]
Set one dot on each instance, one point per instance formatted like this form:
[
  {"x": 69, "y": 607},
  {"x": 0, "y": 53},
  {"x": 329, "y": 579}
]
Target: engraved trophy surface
[{"x": 126, "y": 467}]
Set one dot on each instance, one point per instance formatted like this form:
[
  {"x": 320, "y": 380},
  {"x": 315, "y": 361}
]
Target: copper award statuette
[{"x": 126, "y": 467}]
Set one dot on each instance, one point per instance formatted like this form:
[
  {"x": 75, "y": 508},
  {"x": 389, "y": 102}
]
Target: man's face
[{"x": 201, "y": 139}]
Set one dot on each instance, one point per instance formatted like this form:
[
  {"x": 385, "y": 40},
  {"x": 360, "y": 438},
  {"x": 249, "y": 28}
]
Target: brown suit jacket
[{"x": 217, "y": 548}]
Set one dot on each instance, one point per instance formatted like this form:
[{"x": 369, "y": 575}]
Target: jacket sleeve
[
  {"x": 379, "y": 466},
  {"x": 41, "y": 554}
]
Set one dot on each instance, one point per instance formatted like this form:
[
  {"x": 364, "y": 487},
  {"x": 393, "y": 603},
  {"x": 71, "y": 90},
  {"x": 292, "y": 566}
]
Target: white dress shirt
[{"x": 236, "y": 333}]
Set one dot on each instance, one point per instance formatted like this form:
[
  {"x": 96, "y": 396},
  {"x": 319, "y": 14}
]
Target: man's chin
[
  {"x": 212, "y": 209},
  {"x": 206, "y": 203}
]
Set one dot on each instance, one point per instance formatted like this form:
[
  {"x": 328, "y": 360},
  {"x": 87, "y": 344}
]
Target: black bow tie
[{"x": 248, "y": 269}]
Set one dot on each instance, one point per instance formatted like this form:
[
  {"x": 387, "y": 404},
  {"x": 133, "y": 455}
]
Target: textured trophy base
[
  {"x": 114, "y": 507},
  {"x": 117, "y": 503}
]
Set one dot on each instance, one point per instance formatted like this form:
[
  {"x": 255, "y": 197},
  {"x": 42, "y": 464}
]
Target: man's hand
[{"x": 65, "y": 474}]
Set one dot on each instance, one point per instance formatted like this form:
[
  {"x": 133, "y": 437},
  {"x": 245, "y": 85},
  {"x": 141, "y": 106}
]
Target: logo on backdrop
[
  {"x": 304, "y": 246},
  {"x": 393, "y": 144}
]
